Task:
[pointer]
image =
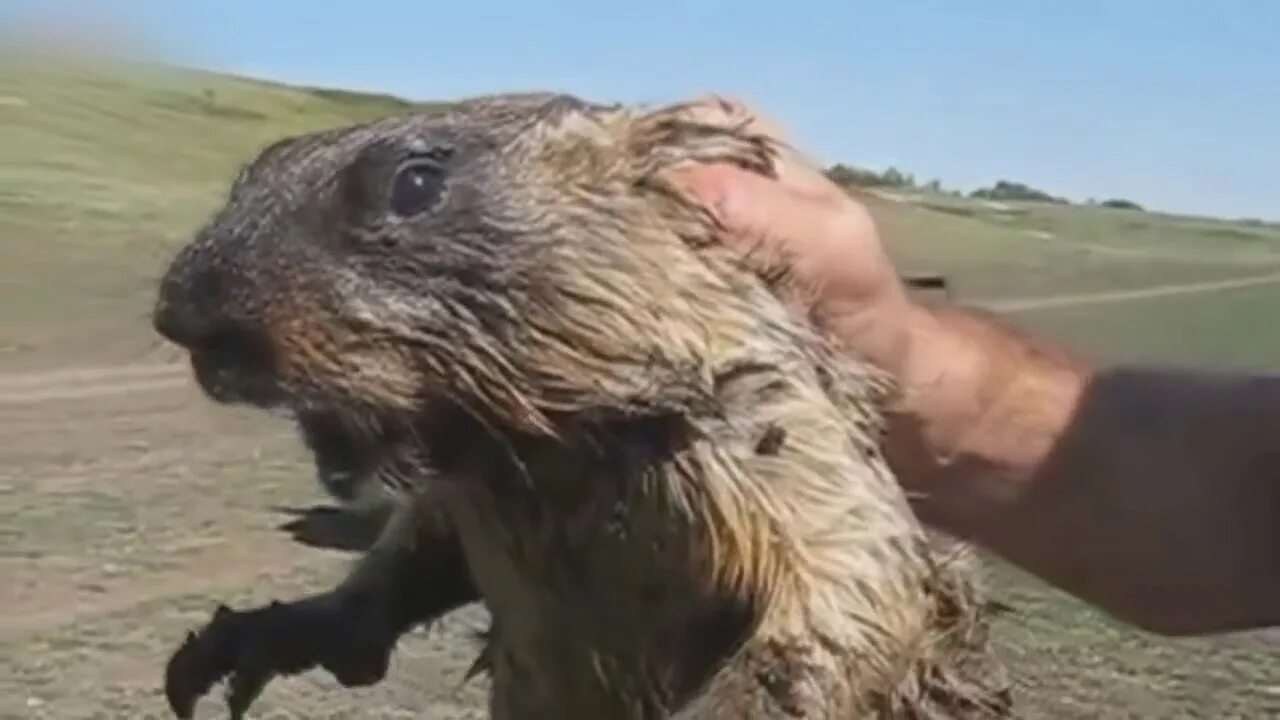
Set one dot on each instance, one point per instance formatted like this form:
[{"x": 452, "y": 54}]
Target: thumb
[{"x": 756, "y": 211}]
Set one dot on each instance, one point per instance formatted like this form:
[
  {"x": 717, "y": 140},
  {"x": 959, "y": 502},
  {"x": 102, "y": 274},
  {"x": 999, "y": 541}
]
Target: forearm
[
  {"x": 1154, "y": 495},
  {"x": 1161, "y": 501},
  {"x": 969, "y": 387},
  {"x": 415, "y": 572}
]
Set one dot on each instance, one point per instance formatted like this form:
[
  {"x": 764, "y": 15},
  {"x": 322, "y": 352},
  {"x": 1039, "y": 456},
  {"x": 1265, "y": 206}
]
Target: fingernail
[{"x": 726, "y": 204}]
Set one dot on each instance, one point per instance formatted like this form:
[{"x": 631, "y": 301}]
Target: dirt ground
[{"x": 131, "y": 506}]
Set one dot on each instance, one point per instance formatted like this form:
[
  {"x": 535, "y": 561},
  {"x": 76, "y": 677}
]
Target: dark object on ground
[{"x": 920, "y": 283}]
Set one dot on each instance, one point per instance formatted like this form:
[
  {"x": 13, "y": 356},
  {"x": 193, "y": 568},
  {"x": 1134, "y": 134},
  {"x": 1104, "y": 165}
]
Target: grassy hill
[
  {"x": 106, "y": 172},
  {"x": 1001, "y": 254}
]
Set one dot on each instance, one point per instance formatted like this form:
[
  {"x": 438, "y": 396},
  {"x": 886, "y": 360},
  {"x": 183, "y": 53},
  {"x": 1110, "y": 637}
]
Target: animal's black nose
[
  {"x": 193, "y": 299},
  {"x": 222, "y": 343},
  {"x": 218, "y": 329},
  {"x": 176, "y": 324}
]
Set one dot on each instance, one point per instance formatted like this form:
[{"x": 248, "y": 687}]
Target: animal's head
[{"x": 519, "y": 257}]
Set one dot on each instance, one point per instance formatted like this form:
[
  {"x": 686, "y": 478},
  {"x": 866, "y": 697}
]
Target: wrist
[
  {"x": 910, "y": 342},
  {"x": 880, "y": 332},
  {"x": 984, "y": 390},
  {"x": 947, "y": 376}
]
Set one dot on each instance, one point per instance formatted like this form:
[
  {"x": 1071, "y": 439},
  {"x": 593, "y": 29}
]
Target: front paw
[
  {"x": 249, "y": 648},
  {"x": 334, "y": 528}
]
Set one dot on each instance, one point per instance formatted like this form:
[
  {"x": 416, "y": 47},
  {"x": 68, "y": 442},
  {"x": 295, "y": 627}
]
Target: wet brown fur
[{"x": 666, "y": 483}]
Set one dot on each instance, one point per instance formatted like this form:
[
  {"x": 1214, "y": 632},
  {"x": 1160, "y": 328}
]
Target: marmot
[{"x": 637, "y": 451}]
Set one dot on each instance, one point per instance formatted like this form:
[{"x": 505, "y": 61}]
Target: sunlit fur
[{"x": 666, "y": 482}]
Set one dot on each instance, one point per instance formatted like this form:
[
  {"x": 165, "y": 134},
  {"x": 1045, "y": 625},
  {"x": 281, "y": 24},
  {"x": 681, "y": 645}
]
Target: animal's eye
[{"x": 416, "y": 186}]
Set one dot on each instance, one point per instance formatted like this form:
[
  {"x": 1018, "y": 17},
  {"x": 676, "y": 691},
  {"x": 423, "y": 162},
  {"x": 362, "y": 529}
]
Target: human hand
[{"x": 828, "y": 240}]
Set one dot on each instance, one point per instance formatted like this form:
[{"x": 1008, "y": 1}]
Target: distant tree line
[
  {"x": 855, "y": 177},
  {"x": 1121, "y": 204},
  {"x": 848, "y": 176},
  {"x": 1008, "y": 190}
]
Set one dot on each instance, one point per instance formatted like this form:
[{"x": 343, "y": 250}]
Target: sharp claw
[
  {"x": 242, "y": 689},
  {"x": 249, "y": 648},
  {"x": 180, "y": 688},
  {"x": 479, "y": 666},
  {"x": 198, "y": 664}
]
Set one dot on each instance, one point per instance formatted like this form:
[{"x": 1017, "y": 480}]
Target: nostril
[
  {"x": 192, "y": 299},
  {"x": 215, "y": 345},
  {"x": 175, "y": 325}
]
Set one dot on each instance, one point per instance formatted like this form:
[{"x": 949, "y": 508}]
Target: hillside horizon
[
  {"x": 393, "y": 101},
  {"x": 133, "y": 504}
]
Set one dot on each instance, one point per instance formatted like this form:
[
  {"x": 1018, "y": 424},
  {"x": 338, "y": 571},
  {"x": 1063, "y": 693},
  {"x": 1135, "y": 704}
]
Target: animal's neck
[
  {"x": 764, "y": 548},
  {"x": 591, "y": 570}
]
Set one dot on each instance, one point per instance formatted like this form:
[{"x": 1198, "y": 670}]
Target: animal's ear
[
  {"x": 705, "y": 130},
  {"x": 713, "y": 129}
]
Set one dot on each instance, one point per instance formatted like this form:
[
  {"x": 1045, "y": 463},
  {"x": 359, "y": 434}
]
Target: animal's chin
[
  {"x": 364, "y": 456},
  {"x": 364, "y": 459},
  {"x": 237, "y": 386}
]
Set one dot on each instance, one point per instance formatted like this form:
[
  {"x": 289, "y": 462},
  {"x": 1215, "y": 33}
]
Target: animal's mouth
[
  {"x": 235, "y": 366},
  {"x": 363, "y": 457}
]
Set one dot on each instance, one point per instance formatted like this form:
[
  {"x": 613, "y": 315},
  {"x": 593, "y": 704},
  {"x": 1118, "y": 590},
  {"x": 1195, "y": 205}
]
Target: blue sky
[{"x": 1174, "y": 104}]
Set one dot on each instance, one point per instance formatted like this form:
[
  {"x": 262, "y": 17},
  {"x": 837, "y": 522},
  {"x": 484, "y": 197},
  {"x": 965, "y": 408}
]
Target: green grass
[
  {"x": 106, "y": 172},
  {"x": 1231, "y": 329},
  {"x": 1071, "y": 661},
  {"x": 1035, "y": 249}
]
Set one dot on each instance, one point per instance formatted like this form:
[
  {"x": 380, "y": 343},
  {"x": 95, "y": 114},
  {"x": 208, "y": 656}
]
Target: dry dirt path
[
  {"x": 1117, "y": 296},
  {"x": 90, "y": 382},
  {"x": 129, "y": 507}
]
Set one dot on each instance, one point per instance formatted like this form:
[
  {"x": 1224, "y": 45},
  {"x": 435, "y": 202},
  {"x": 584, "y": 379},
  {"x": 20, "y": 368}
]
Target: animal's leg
[{"x": 415, "y": 573}]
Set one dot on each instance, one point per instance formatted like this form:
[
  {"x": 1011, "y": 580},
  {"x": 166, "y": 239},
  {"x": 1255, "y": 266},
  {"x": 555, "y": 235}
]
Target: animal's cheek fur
[
  {"x": 610, "y": 332},
  {"x": 323, "y": 362}
]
